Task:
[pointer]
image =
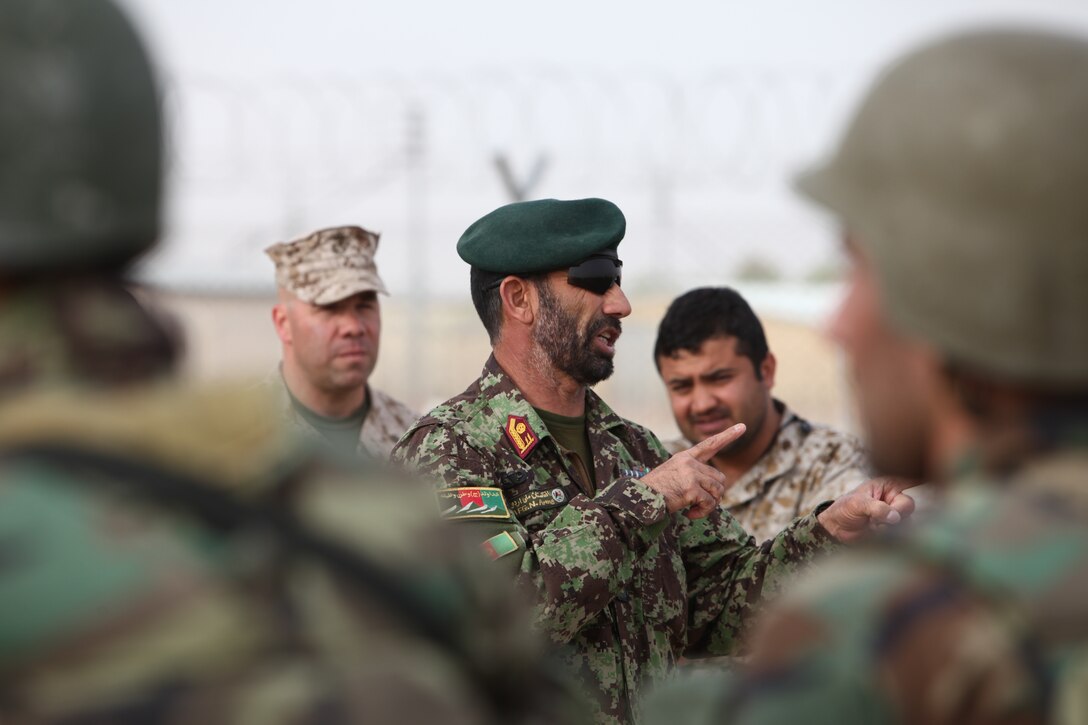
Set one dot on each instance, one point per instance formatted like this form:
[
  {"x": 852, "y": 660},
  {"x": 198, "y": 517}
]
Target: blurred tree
[
  {"x": 758, "y": 269},
  {"x": 826, "y": 271}
]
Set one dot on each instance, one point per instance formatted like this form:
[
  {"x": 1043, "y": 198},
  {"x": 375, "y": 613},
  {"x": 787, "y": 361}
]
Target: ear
[
  {"x": 767, "y": 369},
  {"x": 518, "y": 300},
  {"x": 280, "y": 322}
]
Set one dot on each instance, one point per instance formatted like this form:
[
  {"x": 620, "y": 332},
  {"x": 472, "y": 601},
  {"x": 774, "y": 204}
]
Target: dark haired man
[
  {"x": 712, "y": 355},
  {"x": 626, "y": 553}
]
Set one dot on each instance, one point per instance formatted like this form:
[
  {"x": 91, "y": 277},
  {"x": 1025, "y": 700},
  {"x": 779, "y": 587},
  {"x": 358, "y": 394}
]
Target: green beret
[{"x": 538, "y": 236}]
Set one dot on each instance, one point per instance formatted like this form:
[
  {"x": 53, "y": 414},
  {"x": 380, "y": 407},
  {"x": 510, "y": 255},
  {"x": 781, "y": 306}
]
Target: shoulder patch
[
  {"x": 472, "y": 503},
  {"x": 501, "y": 544},
  {"x": 532, "y": 501},
  {"x": 521, "y": 435}
]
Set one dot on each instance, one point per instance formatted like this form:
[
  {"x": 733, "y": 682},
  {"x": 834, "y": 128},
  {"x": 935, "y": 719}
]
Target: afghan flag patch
[
  {"x": 500, "y": 545},
  {"x": 472, "y": 503}
]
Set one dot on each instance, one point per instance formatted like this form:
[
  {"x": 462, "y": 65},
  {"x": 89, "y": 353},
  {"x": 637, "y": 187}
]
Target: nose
[
  {"x": 701, "y": 400},
  {"x": 616, "y": 303},
  {"x": 351, "y": 324}
]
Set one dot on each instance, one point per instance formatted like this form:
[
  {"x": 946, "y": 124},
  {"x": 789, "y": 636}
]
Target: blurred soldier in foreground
[
  {"x": 169, "y": 554},
  {"x": 711, "y": 353},
  {"x": 960, "y": 185},
  {"x": 627, "y": 553},
  {"x": 329, "y": 322}
]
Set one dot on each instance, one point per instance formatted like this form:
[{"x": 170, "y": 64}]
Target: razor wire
[{"x": 256, "y": 160}]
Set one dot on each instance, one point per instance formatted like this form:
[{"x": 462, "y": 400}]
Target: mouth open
[{"x": 607, "y": 339}]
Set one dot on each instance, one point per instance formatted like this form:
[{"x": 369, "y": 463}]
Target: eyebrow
[{"x": 704, "y": 376}]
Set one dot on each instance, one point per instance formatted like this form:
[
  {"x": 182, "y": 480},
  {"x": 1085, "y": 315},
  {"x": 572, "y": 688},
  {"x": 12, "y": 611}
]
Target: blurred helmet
[
  {"x": 964, "y": 177},
  {"x": 80, "y": 137}
]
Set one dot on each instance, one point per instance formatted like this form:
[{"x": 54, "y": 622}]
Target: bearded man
[{"x": 625, "y": 552}]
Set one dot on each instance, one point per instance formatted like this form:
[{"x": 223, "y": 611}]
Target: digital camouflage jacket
[{"x": 620, "y": 585}]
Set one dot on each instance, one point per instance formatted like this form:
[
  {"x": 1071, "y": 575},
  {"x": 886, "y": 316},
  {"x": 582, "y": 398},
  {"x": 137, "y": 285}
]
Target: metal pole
[{"x": 416, "y": 247}]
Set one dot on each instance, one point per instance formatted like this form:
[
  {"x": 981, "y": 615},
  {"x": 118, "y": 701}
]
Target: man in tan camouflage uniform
[
  {"x": 960, "y": 185},
  {"x": 328, "y": 319},
  {"x": 170, "y": 554},
  {"x": 712, "y": 355},
  {"x": 627, "y": 553}
]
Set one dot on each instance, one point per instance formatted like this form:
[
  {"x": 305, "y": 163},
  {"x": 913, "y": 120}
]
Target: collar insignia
[{"x": 520, "y": 435}]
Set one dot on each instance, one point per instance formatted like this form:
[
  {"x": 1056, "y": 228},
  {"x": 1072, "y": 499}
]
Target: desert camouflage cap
[{"x": 328, "y": 265}]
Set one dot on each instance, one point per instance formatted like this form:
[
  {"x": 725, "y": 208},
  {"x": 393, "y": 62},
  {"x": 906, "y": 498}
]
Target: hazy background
[{"x": 415, "y": 118}]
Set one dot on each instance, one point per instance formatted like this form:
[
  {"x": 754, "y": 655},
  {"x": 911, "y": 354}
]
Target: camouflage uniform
[
  {"x": 386, "y": 422},
  {"x": 623, "y": 587},
  {"x": 123, "y": 599},
  {"x": 805, "y": 465}
]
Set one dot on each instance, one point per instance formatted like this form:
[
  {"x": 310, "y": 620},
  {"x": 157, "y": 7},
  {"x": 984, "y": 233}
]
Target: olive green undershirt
[
  {"x": 341, "y": 433},
  {"x": 573, "y": 438}
]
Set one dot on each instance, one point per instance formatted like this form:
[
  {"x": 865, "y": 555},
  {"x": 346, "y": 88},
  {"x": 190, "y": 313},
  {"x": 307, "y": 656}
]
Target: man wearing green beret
[{"x": 625, "y": 552}]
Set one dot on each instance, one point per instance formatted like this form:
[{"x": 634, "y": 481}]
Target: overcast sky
[
  {"x": 270, "y": 37},
  {"x": 288, "y": 116}
]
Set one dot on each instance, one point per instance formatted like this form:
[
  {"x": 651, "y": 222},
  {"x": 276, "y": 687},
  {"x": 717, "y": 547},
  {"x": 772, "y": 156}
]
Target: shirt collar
[
  {"x": 779, "y": 459},
  {"x": 506, "y": 399}
]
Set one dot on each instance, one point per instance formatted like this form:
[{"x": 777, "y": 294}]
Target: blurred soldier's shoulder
[
  {"x": 980, "y": 610},
  {"x": 176, "y": 548}
]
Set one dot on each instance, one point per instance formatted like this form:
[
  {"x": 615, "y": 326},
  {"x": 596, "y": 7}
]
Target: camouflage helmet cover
[
  {"x": 80, "y": 137},
  {"x": 963, "y": 175}
]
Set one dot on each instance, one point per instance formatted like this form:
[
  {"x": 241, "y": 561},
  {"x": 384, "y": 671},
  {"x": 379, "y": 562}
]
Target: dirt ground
[{"x": 432, "y": 351}]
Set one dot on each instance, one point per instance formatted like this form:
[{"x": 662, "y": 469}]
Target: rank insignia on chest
[
  {"x": 472, "y": 503},
  {"x": 521, "y": 435}
]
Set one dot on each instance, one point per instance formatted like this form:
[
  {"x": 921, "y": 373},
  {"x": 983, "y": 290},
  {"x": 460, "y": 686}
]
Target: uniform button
[{"x": 623, "y": 596}]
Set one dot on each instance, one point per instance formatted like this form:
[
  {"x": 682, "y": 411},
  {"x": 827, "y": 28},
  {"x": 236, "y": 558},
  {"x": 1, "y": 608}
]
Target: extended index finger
[{"x": 705, "y": 450}]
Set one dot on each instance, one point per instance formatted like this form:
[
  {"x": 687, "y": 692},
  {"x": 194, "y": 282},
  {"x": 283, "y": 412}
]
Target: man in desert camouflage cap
[
  {"x": 328, "y": 319},
  {"x": 626, "y": 552}
]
